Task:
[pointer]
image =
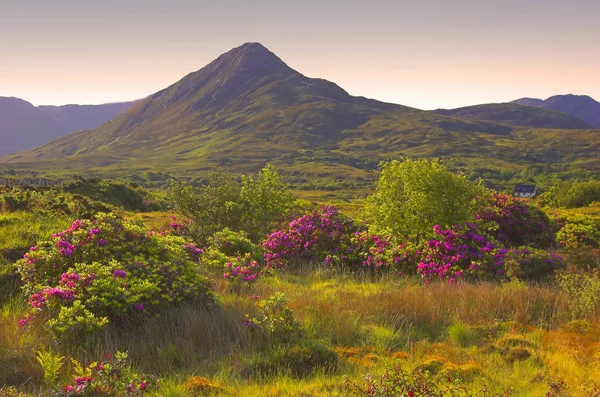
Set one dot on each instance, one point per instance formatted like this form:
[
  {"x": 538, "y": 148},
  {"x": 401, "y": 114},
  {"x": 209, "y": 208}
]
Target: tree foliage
[
  {"x": 223, "y": 202},
  {"x": 414, "y": 195}
]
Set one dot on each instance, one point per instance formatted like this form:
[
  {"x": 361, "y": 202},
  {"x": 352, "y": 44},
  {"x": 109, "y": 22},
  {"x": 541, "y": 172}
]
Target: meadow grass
[{"x": 472, "y": 329}]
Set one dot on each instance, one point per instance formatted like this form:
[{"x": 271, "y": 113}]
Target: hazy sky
[{"x": 423, "y": 53}]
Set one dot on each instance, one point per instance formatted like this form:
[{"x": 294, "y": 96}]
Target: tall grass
[{"x": 368, "y": 320}]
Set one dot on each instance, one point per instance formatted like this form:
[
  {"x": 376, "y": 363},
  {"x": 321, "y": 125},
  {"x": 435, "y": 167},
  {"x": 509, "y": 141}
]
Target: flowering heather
[
  {"x": 515, "y": 223},
  {"x": 461, "y": 252}
]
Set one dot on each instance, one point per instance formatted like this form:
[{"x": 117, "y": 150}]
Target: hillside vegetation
[
  {"x": 517, "y": 115},
  {"x": 439, "y": 287},
  {"x": 248, "y": 108}
]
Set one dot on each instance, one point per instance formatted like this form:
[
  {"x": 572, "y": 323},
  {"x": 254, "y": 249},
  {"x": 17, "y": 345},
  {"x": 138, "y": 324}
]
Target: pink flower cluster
[
  {"x": 458, "y": 252},
  {"x": 244, "y": 270},
  {"x": 312, "y": 237}
]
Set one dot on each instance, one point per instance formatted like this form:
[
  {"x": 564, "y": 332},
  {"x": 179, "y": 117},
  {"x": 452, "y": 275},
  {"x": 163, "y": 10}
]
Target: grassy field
[
  {"x": 514, "y": 337},
  {"x": 518, "y": 338}
]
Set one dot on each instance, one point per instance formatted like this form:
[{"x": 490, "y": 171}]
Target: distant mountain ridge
[
  {"x": 23, "y": 125},
  {"x": 580, "y": 106},
  {"x": 517, "y": 115},
  {"x": 247, "y": 107}
]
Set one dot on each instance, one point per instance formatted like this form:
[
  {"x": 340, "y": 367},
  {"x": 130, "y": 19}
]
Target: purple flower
[{"x": 120, "y": 273}]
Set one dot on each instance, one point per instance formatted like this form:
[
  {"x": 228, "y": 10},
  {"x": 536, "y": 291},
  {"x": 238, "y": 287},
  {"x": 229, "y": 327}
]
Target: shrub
[
  {"x": 310, "y": 237},
  {"x": 210, "y": 208},
  {"x": 108, "y": 270},
  {"x": 577, "y": 229},
  {"x": 414, "y": 195},
  {"x": 515, "y": 223},
  {"x": 275, "y": 319},
  {"x": 396, "y": 382},
  {"x": 112, "y": 377},
  {"x": 367, "y": 250},
  {"x": 51, "y": 364},
  {"x": 242, "y": 270},
  {"x": 583, "y": 291},
  {"x": 222, "y": 202},
  {"x": 582, "y": 257},
  {"x": 461, "y": 252},
  {"x": 531, "y": 263},
  {"x": 232, "y": 243},
  {"x": 266, "y": 198}
]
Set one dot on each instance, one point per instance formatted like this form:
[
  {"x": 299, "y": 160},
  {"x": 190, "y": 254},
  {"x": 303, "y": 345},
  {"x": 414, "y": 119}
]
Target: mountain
[
  {"x": 517, "y": 115},
  {"x": 248, "y": 107},
  {"x": 23, "y": 126},
  {"x": 580, "y": 106}
]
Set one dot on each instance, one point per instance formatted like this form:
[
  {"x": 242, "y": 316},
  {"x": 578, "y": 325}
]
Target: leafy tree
[
  {"x": 265, "y": 197},
  {"x": 212, "y": 207},
  {"x": 222, "y": 202},
  {"x": 414, "y": 195}
]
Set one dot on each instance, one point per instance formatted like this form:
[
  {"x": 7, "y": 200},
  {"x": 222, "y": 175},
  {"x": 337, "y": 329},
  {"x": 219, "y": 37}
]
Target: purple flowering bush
[
  {"x": 107, "y": 270},
  {"x": 311, "y": 237},
  {"x": 532, "y": 263},
  {"x": 515, "y": 223},
  {"x": 461, "y": 252}
]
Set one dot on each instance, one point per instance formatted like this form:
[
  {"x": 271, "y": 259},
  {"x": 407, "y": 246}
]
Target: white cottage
[{"x": 525, "y": 190}]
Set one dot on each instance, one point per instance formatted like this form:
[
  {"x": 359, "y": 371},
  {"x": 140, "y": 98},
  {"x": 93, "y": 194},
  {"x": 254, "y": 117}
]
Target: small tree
[
  {"x": 265, "y": 198},
  {"x": 211, "y": 207},
  {"x": 414, "y": 195}
]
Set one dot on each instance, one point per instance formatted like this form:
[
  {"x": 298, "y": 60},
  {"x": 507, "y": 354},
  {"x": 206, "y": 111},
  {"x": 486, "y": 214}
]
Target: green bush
[
  {"x": 575, "y": 229},
  {"x": 414, "y": 195},
  {"x": 222, "y": 202},
  {"x": 232, "y": 243},
  {"x": 583, "y": 290},
  {"x": 276, "y": 320}
]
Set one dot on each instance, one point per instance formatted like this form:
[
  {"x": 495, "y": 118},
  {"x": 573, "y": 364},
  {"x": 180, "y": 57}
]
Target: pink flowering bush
[
  {"x": 375, "y": 252},
  {"x": 107, "y": 271},
  {"x": 112, "y": 377},
  {"x": 515, "y": 223},
  {"x": 242, "y": 270},
  {"x": 311, "y": 237},
  {"x": 461, "y": 252}
]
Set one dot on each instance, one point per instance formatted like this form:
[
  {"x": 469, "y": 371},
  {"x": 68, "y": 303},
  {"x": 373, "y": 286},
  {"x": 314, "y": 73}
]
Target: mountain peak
[
  {"x": 254, "y": 58},
  {"x": 241, "y": 68}
]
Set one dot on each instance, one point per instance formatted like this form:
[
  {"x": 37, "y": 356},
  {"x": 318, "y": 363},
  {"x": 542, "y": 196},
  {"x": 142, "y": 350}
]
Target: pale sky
[{"x": 426, "y": 53}]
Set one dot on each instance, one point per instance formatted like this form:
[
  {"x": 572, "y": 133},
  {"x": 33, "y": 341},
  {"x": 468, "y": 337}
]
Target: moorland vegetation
[{"x": 231, "y": 286}]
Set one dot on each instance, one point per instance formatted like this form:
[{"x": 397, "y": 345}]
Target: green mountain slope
[
  {"x": 248, "y": 107},
  {"x": 517, "y": 115},
  {"x": 580, "y": 106}
]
